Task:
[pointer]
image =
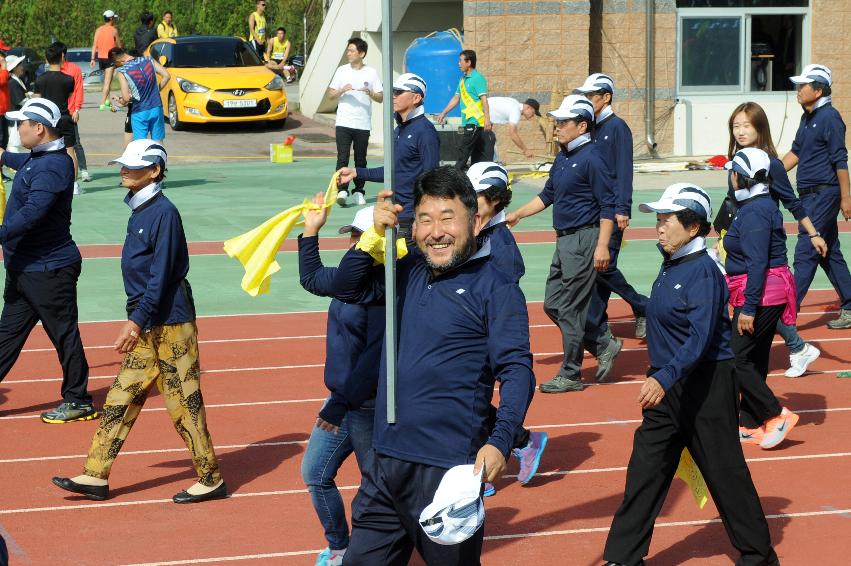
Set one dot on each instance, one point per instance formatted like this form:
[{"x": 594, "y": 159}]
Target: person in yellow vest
[
  {"x": 166, "y": 28},
  {"x": 478, "y": 141},
  {"x": 278, "y": 52},
  {"x": 257, "y": 27}
]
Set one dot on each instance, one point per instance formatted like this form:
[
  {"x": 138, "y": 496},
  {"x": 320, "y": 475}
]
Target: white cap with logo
[
  {"x": 681, "y": 196},
  {"x": 39, "y": 110},
  {"x": 596, "y": 83},
  {"x": 457, "y": 510},
  {"x": 487, "y": 174},
  {"x": 410, "y": 82},
  {"x": 574, "y": 106},
  {"x": 140, "y": 154}
]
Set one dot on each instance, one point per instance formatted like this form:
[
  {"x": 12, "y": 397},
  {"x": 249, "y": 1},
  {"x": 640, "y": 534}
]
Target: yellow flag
[
  {"x": 690, "y": 473},
  {"x": 2, "y": 199},
  {"x": 256, "y": 249}
]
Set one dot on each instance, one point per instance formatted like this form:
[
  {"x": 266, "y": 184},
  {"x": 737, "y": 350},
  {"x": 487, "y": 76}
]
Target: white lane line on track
[{"x": 316, "y": 336}]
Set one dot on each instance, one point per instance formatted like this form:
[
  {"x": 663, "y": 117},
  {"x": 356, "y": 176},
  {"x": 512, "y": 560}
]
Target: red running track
[{"x": 263, "y": 387}]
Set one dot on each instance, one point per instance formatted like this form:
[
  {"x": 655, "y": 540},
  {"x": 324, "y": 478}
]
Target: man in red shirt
[{"x": 75, "y": 103}]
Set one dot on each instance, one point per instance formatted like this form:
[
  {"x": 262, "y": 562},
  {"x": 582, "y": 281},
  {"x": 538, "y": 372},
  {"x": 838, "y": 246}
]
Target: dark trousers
[
  {"x": 4, "y": 132},
  {"x": 49, "y": 297},
  {"x": 698, "y": 412},
  {"x": 348, "y": 139},
  {"x": 822, "y": 208},
  {"x": 386, "y": 512},
  {"x": 758, "y": 402},
  {"x": 476, "y": 144},
  {"x": 78, "y": 149},
  {"x": 612, "y": 280}
]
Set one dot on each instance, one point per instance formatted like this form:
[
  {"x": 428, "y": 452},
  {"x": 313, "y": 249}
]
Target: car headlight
[
  {"x": 275, "y": 84},
  {"x": 189, "y": 86}
]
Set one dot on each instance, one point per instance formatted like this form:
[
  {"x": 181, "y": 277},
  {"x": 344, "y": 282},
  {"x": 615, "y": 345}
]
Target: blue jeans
[
  {"x": 790, "y": 335},
  {"x": 326, "y": 452}
]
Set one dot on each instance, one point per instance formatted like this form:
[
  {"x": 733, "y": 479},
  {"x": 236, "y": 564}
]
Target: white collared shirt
[{"x": 140, "y": 197}]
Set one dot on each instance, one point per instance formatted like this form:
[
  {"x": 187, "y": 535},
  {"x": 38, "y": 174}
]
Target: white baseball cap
[
  {"x": 13, "y": 61},
  {"x": 140, "y": 154},
  {"x": 681, "y": 196},
  {"x": 750, "y": 162},
  {"x": 457, "y": 510},
  {"x": 487, "y": 174},
  {"x": 361, "y": 223},
  {"x": 574, "y": 106},
  {"x": 110, "y": 14},
  {"x": 39, "y": 110},
  {"x": 813, "y": 74},
  {"x": 410, "y": 82},
  {"x": 596, "y": 83}
]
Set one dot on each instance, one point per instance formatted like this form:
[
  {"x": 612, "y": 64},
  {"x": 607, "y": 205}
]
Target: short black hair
[
  {"x": 470, "y": 56},
  {"x": 825, "y": 89},
  {"x": 689, "y": 218},
  {"x": 589, "y": 123},
  {"x": 283, "y": 29},
  {"x": 447, "y": 182},
  {"x": 53, "y": 53},
  {"x": 115, "y": 52},
  {"x": 167, "y": 12},
  {"x": 146, "y": 18},
  {"x": 359, "y": 44},
  {"x": 499, "y": 195}
]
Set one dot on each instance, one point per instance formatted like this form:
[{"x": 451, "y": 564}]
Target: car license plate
[{"x": 236, "y": 103}]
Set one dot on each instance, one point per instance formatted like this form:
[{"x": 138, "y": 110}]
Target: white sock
[
  {"x": 201, "y": 489},
  {"x": 90, "y": 480}
]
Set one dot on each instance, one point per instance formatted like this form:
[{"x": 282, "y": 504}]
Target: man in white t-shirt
[
  {"x": 356, "y": 86},
  {"x": 506, "y": 110}
]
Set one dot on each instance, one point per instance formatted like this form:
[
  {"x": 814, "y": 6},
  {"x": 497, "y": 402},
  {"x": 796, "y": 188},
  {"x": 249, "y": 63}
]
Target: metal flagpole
[{"x": 390, "y": 233}]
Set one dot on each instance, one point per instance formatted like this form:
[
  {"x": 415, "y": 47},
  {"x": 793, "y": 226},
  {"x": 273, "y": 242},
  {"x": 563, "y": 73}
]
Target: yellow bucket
[{"x": 280, "y": 153}]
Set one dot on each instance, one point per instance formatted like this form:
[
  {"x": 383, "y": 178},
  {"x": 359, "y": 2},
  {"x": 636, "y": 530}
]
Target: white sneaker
[
  {"x": 84, "y": 176},
  {"x": 799, "y": 362},
  {"x": 78, "y": 190},
  {"x": 359, "y": 200},
  {"x": 343, "y": 198}
]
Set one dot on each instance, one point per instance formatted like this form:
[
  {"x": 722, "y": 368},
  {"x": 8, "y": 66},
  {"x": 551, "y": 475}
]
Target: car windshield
[{"x": 214, "y": 54}]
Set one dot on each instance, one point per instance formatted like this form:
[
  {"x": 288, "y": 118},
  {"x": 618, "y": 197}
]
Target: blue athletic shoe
[
  {"x": 489, "y": 490},
  {"x": 530, "y": 456},
  {"x": 329, "y": 558}
]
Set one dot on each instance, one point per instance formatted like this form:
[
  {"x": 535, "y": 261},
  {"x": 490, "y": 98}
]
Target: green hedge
[{"x": 35, "y": 23}]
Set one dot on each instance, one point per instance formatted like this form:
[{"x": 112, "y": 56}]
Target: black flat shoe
[
  {"x": 219, "y": 493},
  {"x": 95, "y": 492}
]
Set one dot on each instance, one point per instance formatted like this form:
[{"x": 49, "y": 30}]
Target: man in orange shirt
[
  {"x": 75, "y": 103},
  {"x": 106, "y": 37}
]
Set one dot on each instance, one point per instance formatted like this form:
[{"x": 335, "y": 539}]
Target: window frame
[{"x": 745, "y": 15}]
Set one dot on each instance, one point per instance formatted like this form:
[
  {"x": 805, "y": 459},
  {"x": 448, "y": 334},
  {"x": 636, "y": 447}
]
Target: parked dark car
[{"x": 32, "y": 63}]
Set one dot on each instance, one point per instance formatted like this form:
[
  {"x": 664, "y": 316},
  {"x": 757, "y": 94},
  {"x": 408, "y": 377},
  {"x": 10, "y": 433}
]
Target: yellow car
[{"x": 218, "y": 79}]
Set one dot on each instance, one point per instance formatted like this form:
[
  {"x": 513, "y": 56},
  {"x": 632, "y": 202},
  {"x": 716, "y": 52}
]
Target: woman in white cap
[
  {"x": 159, "y": 340},
  {"x": 689, "y": 399},
  {"x": 762, "y": 292},
  {"x": 17, "y": 97}
]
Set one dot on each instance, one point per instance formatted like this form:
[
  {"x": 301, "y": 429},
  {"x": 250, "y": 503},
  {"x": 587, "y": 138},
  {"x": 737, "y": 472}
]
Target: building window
[{"x": 750, "y": 46}]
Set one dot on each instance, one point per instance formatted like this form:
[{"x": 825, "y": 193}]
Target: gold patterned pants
[{"x": 168, "y": 356}]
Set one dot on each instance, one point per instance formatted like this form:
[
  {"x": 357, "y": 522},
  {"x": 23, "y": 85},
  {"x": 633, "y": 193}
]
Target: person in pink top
[{"x": 762, "y": 291}]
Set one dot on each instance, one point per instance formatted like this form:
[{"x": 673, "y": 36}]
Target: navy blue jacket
[
  {"x": 614, "y": 138},
  {"x": 154, "y": 264},
  {"x": 504, "y": 251},
  {"x": 755, "y": 242},
  {"x": 780, "y": 189},
  {"x": 820, "y": 147},
  {"x": 687, "y": 318},
  {"x": 354, "y": 338},
  {"x": 36, "y": 231},
  {"x": 459, "y": 332},
  {"x": 416, "y": 150},
  {"x": 580, "y": 188}
]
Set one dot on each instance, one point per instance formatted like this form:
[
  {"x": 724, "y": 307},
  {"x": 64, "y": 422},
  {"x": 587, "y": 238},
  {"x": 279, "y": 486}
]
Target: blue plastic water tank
[{"x": 435, "y": 59}]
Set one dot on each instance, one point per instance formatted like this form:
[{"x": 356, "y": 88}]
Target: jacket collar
[
  {"x": 576, "y": 144},
  {"x": 55, "y": 145},
  {"x": 604, "y": 115},
  {"x": 142, "y": 196},
  {"x": 820, "y": 103},
  {"x": 688, "y": 252},
  {"x": 415, "y": 113},
  {"x": 483, "y": 252},
  {"x": 498, "y": 217}
]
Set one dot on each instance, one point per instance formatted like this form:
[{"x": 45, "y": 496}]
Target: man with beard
[{"x": 463, "y": 325}]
